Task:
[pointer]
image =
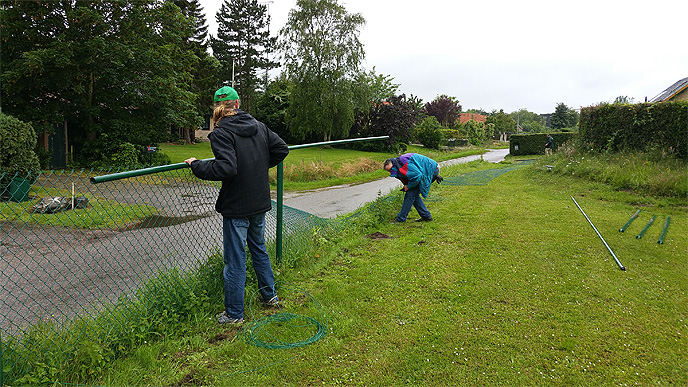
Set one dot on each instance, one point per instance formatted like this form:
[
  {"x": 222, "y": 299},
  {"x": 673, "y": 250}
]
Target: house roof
[
  {"x": 671, "y": 91},
  {"x": 465, "y": 117}
]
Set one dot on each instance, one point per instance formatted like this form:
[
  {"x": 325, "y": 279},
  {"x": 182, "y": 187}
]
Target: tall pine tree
[
  {"x": 242, "y": 44},
  {"x": 205, "y": 71}
]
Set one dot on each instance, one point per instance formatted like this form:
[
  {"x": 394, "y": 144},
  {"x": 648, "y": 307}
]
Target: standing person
[
  {"x": 549, "y": 145},
  {"x": 244, "y": 150},
  {"x": 416, "y": 172}
]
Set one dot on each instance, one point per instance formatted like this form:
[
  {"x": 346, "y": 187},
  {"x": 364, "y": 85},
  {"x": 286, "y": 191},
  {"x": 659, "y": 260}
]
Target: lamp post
[
  {"x": 267, "y": 5},
  {"x": 518, "y": 120}
]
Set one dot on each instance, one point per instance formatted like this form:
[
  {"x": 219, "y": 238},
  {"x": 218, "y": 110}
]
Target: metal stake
[
  {"x": 664, "y": 231},
  {"x": 625, "y": 226},
  {"x": 646, "y": 227}
]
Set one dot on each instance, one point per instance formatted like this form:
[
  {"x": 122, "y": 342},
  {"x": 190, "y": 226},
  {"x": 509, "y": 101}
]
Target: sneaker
[
  {"x": 224, "y": 319},
  {"x": 425, "y": 219},
  {"x": 394, "y": 221},
  {"x": 273, "y": 302}
]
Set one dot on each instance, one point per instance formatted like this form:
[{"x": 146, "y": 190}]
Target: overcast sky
[{"x": 506, "y": 54}]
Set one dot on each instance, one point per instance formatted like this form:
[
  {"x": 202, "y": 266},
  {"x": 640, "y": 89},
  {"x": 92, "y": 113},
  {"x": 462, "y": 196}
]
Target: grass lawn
[{"x": 509, "y": 285}]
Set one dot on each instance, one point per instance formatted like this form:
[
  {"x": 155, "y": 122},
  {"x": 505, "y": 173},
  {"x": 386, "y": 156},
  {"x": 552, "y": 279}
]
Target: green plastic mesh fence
[
  {"x": 482, "y": 177},
  {"x": 72, "y": 251},
  {"x": 86, "y": 266}
]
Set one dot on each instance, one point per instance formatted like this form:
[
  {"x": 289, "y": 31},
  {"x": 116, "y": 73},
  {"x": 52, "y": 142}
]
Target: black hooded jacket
[{"x": 245, "y": 149}]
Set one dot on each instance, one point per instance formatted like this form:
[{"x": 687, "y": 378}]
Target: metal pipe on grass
[
  {"x": 664, "y": 231},
  {"x": 600, "y": 235},
  {"x": 646, "y": 227},
  {"x": 625, "y": 226}
]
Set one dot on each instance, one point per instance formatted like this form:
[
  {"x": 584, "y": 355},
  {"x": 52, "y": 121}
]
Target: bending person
[{"x": 416, "y": 172}]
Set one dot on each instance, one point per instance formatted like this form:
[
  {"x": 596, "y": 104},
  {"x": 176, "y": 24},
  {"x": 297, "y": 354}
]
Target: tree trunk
[{"x": 186, "y": 135}]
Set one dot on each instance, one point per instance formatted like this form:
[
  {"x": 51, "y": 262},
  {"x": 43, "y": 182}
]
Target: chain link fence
[
  {"x": 73, "y": 250},
  {"x": 96, "y": 262}
]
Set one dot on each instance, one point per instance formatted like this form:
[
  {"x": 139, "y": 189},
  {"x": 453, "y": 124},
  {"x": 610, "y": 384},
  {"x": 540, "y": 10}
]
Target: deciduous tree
[
  {"x": 321, "y": 53},
  {"x": 530, "y": 122},
  {"x": 446, "y": 109},
  {"x": 115, "y": 71},
  {"x": 563, "y": 117},
  {"x": 503, "y": 123}
]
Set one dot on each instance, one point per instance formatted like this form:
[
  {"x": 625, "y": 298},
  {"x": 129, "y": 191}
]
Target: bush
[
  {"x": 17, "y": 144},
  {"x": 126, "y": 156},
  {"x": 429, "y": 133},
  {"x": 638, "y": 127},
  {"x": 476, "y": 132},
  {"x": 534, "y": 144}
]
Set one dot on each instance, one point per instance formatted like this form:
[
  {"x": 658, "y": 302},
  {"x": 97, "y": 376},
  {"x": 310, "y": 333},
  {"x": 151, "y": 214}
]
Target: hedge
[
  {"x": 534, "y": 144},
  {"x": 642, "y": 127}
]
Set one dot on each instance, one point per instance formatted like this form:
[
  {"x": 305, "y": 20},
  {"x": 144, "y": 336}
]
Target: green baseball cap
[{"x": 226, "y": 93}]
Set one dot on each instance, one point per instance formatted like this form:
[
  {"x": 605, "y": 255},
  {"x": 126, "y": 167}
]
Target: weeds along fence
[{"x": 95, "y": 262}]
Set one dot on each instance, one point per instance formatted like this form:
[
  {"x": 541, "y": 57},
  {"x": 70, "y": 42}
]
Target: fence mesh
[
  {"x": 484, "y": 176},
  {"x": 73, "y": 252},
  {"x": 72, "y": 249}
]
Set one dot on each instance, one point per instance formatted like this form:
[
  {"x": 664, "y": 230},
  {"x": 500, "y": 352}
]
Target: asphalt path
[{"x": 339, "y": 200}]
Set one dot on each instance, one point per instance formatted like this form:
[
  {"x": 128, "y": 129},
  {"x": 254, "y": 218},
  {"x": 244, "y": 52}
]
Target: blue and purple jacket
[{"x": 415, "y": 170}]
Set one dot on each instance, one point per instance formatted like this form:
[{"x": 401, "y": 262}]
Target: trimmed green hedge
[
  {"x": 642, "y": 127},
  {"x": 534, "y": 144}
]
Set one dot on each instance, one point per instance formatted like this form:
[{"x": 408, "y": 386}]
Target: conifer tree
[{"x": 242, "y": 46}]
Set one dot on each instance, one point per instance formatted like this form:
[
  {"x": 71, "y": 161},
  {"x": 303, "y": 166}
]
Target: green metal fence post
[
  {"x": 280, "y": 208},
  {"x": 647, "y": 226},
  {"x": 625, "y": 226},
  {"x": 664, "y": 230}
]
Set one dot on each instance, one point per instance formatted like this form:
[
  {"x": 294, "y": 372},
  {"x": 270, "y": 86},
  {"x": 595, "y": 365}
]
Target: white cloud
[{"x": 505, "y": 54}]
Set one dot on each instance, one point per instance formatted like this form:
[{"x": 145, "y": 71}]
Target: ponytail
[{"x": 223, "y": 109}]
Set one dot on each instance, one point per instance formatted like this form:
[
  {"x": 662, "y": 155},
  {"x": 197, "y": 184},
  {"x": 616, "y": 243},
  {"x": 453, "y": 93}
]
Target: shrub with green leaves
[
  {"x": 476, "y": 132},
  {"x": 17, "y": 144},
  {"x": 429, "y": 132}
]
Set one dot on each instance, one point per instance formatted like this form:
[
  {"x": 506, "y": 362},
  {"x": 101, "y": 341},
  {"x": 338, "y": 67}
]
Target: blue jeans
[
  {"x": 237, "y": 232},
  {"x": 412, "y": 199}
]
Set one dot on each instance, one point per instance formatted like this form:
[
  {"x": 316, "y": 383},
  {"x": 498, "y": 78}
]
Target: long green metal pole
[
  {"x": 140, "y": 172},
  {"x": 337, "y": 142},
  {"x": 600, "y": 235},
  {"x": 172, "y": 167}
]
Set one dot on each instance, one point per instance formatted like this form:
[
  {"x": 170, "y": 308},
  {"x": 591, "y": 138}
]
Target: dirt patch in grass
[
  {"x": 377, "y": 236},
  {"x": 228, "y": 334}
]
